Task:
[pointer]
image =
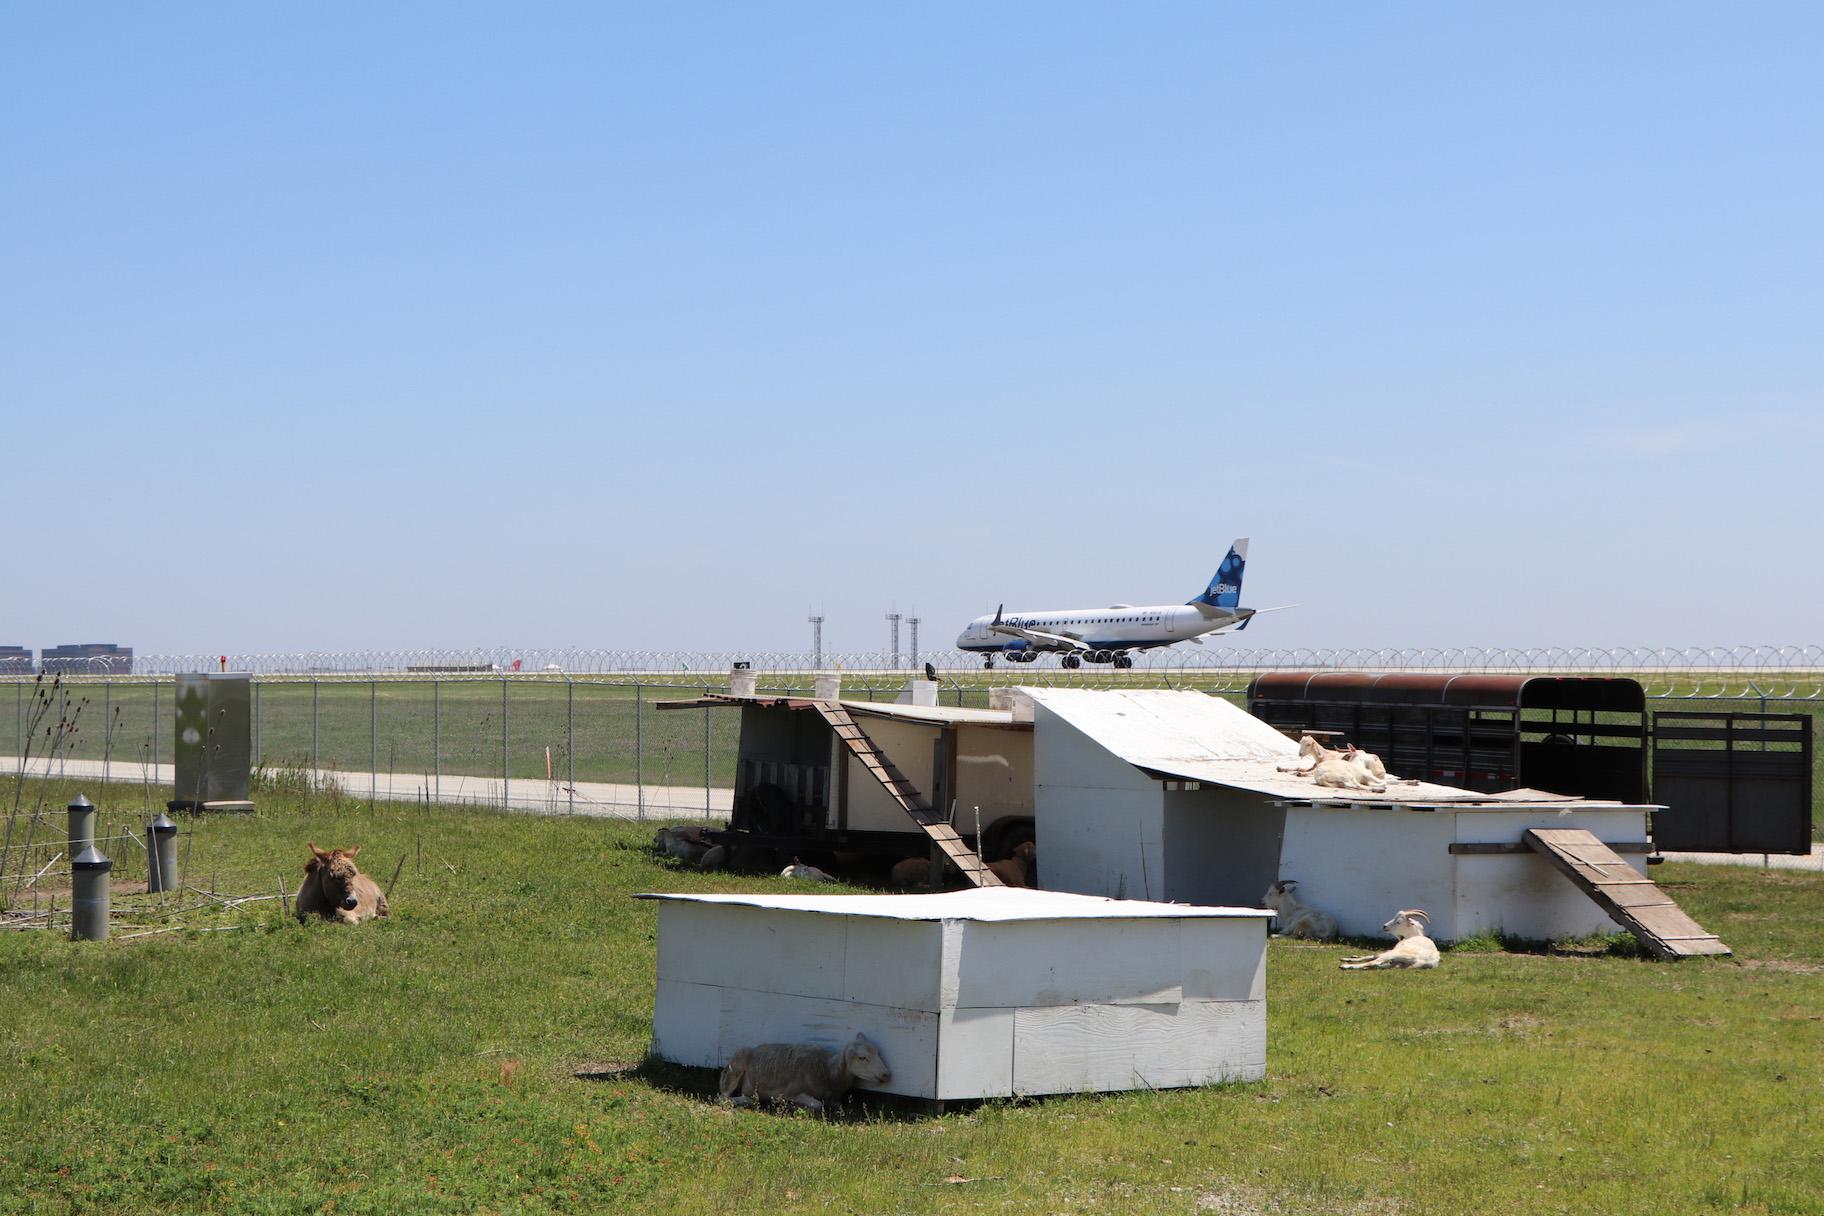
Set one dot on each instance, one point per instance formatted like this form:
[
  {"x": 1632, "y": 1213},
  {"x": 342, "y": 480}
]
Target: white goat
[
  {"x": 1413, "y": 949},
  {"x": 802, "y": 1075},
  {"x": 1308, "y": 749},
  {"x": 1296, "y": 919},
  {"x": 1338, "y": 771},
  {"x": 808, "y": 873},
  {"x": 1371, "y": 764}
]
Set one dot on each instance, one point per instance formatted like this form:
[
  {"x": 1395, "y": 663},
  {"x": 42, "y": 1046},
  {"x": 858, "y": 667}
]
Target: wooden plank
[
  {"x": 765, "y": 949},
  {"x": 1637, "y": 895},
  {"x": 929, "y": 819},
  {"x": 1085, "y": 1048},
  {"x": 1635, "y": 903},
  {"x": 1223, "y": 959},
  {"x": 1070, "y": 962},
  {"x": 687, "y": 1024},
  {"x": 1474, "y": 849},
  {"x": 975, "y": 1053}
]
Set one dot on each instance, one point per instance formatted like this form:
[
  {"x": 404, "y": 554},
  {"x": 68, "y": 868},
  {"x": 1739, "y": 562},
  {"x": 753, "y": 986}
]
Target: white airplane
[{"x": 1110, "y": 635}]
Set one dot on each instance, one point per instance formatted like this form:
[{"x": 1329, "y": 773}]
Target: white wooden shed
[
  {"x": 971, "y": 994},
  {"x": 1157, "y": 794}
]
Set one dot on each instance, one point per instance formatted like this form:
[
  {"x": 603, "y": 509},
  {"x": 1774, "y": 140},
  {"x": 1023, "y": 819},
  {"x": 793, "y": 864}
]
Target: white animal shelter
[
  {"x": 971, "y": 994},
  {"x": 1170, "y": 795}
]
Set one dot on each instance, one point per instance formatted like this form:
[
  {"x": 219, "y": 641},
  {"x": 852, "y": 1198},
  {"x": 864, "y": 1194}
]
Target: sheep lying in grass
[
  {"x": 1413, "y": 950},
  {"x": 1296, "y": 919},
  {"x": 802, "y": 1075},
  {"x": 686, "y": 842},
  {"x": 805, "y": 872}
]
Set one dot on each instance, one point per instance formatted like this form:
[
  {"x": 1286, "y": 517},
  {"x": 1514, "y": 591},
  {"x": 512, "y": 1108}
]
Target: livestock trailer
[
  {"x": 1726, "y": 781},
  {"x": 970, "y": 994}
]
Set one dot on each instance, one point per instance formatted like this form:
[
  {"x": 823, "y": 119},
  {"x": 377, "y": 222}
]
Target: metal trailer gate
[{"x": 1732, "y": 782}]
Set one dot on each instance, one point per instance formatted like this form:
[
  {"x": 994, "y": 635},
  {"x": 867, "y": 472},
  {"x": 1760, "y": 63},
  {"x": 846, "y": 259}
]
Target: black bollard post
[
  {"x": 82, "y": 825},
  {"x": 161, "y": 854},
  {"x": 89, "y": 919}
]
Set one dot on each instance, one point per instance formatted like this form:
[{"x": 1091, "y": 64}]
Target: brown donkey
[{"x": 335, "y": 890}]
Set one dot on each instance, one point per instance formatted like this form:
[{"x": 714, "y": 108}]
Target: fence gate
[{"x": 1734, "y": 783}]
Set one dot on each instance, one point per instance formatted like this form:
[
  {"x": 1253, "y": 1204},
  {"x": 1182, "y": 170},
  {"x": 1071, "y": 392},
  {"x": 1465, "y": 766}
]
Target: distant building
[
  {"x": 87, "y": 659},
  {"x": 15, "y": 661}
]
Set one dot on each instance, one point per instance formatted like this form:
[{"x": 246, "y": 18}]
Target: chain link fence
[
  {"x": 597, "y": 744},
  {"x": 1785, "y": 671}
]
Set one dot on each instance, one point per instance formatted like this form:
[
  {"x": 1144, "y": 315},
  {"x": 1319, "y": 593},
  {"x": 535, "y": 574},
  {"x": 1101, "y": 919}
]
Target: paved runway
[
  {"x": 599, "y": 798},
  {"x": 1760, "y": 861}
]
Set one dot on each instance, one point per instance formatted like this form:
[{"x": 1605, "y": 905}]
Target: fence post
[
  {"x": 504, "y": 777},
  {"x": 570, "y": 739},
  {"x": 258, "y": 756},
  {"x": 19, "y": 725},
  {"x": 315, "y": 764},
  {"x": 437, "y": 737},
  {"x": 107, "y": 730},
  {"x": 706, "y": 807},
  {"x": 155, "y": 687},
  {"x": 373, "y": 740},
  {"x": 639, "y": 751}
]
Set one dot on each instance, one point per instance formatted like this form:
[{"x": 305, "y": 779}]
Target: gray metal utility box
[{"x": 214, "y": 743}]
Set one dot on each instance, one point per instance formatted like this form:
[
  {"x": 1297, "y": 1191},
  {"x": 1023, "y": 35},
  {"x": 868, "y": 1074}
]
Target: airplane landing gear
[
  {"x": 1124, "y": 660},
  {"x": 1070, "y": 661},
  {"x": 987, "y": 664}
]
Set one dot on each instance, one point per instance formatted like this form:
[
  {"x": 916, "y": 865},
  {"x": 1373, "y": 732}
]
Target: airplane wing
[{"x": 1062, "y": 641}]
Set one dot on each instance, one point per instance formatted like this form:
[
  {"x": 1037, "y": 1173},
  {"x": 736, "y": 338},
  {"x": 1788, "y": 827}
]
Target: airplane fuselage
[
  {"x": 1136, "y": 628},
  {"x": 1107, "y": 635}
]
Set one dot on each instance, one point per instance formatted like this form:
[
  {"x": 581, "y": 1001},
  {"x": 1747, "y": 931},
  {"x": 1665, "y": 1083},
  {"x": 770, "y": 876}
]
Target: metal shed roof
[
  {"x": 938, "y": 715},
  {"x": 1196, "y": 737},
  {"x": 982, "y": 904},
  {"x": 1615, "y": 693}
]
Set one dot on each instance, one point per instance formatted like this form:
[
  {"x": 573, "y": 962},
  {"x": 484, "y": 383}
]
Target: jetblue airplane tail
[{"x": 1224, "y": 590}]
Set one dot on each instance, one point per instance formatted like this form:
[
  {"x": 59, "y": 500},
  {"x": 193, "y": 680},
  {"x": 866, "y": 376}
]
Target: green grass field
[{"x": 477, "y": 1052}]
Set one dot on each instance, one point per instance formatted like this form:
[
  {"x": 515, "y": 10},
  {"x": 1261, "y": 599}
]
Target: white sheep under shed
[{"x": 970, "y": 994}]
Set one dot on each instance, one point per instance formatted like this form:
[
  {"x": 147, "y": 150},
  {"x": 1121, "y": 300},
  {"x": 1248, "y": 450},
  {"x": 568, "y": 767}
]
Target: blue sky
[{"x": 418, "y": 325}]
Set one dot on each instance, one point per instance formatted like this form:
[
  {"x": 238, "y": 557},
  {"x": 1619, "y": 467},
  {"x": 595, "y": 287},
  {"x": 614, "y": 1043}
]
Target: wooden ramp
[
  {"x": 930, "y": 820},
  {"x": 1633, "y": 902}
]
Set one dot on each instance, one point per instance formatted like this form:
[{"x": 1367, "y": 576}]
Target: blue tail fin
[{"x": 1224, "y": 590}]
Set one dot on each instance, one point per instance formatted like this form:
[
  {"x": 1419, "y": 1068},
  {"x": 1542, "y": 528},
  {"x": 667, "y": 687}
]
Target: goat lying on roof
[
  {"x": 1338, "y": 770},
  {"x": 802, "y": 1075}
]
